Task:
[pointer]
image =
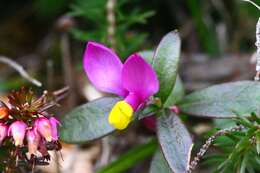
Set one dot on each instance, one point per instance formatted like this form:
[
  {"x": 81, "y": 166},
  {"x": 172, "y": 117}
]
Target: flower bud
[
  {"x": 33, "y": 140},
  {"x": 4, "y": 110},
  {"x": 150, "y": 123},
  {"x": 175, "y": 109},
  {"x": 54, "y": 131},
  {"x": 3, "y": 132},
  {"x": 17, "y": 130},
  {"x": 43, "y": 127}
]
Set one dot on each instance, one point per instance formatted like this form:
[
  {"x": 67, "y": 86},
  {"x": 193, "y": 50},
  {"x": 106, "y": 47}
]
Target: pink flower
[
  {"x": 43, "y": 126},
  {"x": 135, "y": 80},
  {"x": 17, "y": 129},
  {"x": 54, "y": 131},
  {"x": 33, "y": 140},
  {"x": 3, "y": 132}
]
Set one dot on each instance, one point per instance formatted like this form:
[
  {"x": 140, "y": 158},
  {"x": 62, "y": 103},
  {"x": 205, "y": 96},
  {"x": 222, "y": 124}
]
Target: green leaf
[
  {"x": 147, "y": 111},
  {"x": 178, "y": 90},
  {"x": 244, "y": 164},
  {"x": 258, "y": 142},
  {"x": 224, "y": 123},
  {"x": 88, "y": 121},
  {"x": 175, "y": 141},
  {"x": 131, "y": 158},
  {"x": 255, "y": 117},
  {"x": 165, "y": 63},
  {"x": 177, "y": 93},
  {"x": 224, "y": 100},
  {"x": 159, "y": 164}
]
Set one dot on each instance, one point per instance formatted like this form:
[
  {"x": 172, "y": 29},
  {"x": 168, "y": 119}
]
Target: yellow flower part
[{"x": 120, "y": 115}]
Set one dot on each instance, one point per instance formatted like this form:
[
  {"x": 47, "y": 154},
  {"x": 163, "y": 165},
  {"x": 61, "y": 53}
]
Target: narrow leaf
[
  {"x": 244, "y": 164},
  {"x": 175, "y": 141},
  {"x": 87, "y": 122},
  {"x": 131, "y": 158},
  {"x": 177, "y": 93},
  {"x": 224, "y": 100},
  {"x": 258, "y": 143},
  {"x": 165, "y": 63}
]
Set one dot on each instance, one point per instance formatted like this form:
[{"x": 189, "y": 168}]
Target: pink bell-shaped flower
[
  {"x": 43, "y": 126},
  {"x": 17, "y": 129},
  {"x": 54, "y": 129},
  {"x": 33, "y": 140},
  {"x": 3, "y": 132}
]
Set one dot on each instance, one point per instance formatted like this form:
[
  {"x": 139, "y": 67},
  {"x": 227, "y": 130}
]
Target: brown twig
[
  {"x": 20, "y": 70},
  {"x": 111, "y": 19},
  {"x": 50, "y": 74},
  {"x": 67, "y": 67},
  {"x": 59, "y": 95}
]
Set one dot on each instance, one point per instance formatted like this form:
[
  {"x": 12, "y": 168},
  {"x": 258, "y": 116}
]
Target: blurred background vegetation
[{"x": 213, "y": 27}]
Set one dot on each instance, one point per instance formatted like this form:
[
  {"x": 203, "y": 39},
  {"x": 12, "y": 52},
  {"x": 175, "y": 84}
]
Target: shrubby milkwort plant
[
  {"x": 27, "y": 130},
  {"x": 147, "y": 85}
]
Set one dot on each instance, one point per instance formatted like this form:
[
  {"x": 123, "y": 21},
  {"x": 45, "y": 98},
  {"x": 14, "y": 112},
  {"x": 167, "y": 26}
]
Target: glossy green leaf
[
  {"x": 165, "y": 63},
  {"x": 223, "y": 101},
  {"x": 175, "y": 141},
  {"x": 131, "y": 158},
  {"x": 88, "y": 121},
  {"x": 177, "y": 93},
  {"x": 159, "y": 164}
]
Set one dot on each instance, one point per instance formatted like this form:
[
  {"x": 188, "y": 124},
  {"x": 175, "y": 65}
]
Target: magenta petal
[
  {"x": 139, "y": 77},
  {"x": 103, "y": 68},
  {"x": 54, "y": 129}
]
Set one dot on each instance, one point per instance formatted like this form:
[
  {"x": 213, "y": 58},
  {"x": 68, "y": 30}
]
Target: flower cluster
[
  {"x": 43, "y": 130},
  {"x": 135, "y": 80},
  {"x": 26, "y": 125}
]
